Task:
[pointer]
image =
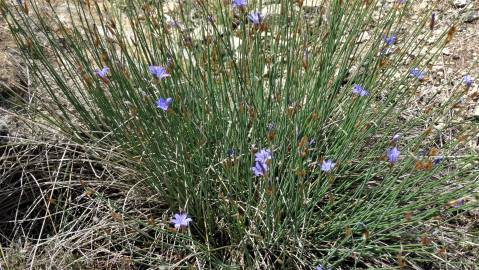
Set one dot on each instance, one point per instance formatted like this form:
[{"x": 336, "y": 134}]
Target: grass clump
[{"x": 279, "y": 133}]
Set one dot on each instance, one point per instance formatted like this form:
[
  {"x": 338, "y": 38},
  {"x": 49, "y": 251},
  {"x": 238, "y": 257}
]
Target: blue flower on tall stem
[
  {"x": 263, "y": 155},
  {"x": 239, "y": 3},
  {"x": 437, "y": 161},
  {"x": 468, "y": 81},
  {"x": 459, "y": 203},
  {"x": 417, "y": 73},
  {"x": 255, "y": 18},
  {"x": 163, "y": 104},
  {"x": 259, "y": 168},
  {"x": 159, "y": 72},
  {"x": 327, "y": 165},
  {"x": 359, "y": 90},
  {"x": 390, "y": 40},
  {"x": 180, "y": 220},
  {"x": 261, "y": 162},
  {"x": 393, "y": 155},
  {"x": 102, "y": 73}
]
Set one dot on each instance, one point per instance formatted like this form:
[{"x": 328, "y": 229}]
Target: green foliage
[{"x": 229, "y": 81}]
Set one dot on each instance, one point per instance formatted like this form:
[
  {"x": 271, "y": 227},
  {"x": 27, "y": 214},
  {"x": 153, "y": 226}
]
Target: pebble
[
  {"x": 476, "y": 112},
  {"x": 461, "y": 3},
  {"x": 365, "y": 36},
  {"x": 470, "y": 16}
]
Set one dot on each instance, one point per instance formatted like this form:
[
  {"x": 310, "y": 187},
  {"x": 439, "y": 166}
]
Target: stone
[
  {"x": 475, "y": 113},
  {"x": 461, "y": 3},
  {"x": 470, "y": 16},
  {"x": 365, "y": 36}
]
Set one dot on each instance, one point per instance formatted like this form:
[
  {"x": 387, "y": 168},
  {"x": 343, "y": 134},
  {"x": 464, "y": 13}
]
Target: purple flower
[
  {"x": 180, "y": 220},
  {"x": 163, "y": 104},
  {"x": 255, "y": 18},
  {"x": 102, "y": 73},
  {"x": 261, "y": 159},
  {"x": 359, "y": 90},
  {"x": 393, "y": 154},
  {"x": 437, "y": 160},
  {"x": 239, "y": 3},
  {"x": 417, "y": 73},
  {"x": 319, "y": 268},
  {"x": 390, "y": 40},
  {"x": 459, "y": 203},
  {"x": 210, "y": 19},
  {"x": 396, "y": 137},
  {"x": 263, "y": 156},
  {"x": 468, "y": 81},
  {"x": 159, "y": 72},
  {"x": 259, "y": 168},
  {"x": 327, "y": 165},
  {"x": 173, "y": 24}
]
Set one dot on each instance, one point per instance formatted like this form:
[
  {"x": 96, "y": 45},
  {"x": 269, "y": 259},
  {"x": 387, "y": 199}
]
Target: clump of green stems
[{"x": 229, "y": 81}]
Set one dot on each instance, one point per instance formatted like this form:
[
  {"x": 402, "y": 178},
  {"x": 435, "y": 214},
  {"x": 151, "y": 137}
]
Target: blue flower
[
  {"x": 468, "y": 81},
  {"x": 261, "y": 159},
  {"x": 173, "y": 24},
  {"x": 390, "y": 40},
  {"x": 459, "y": 203},
  {"x": 102, "y": 73},
  {"x": 417, "y": 73},
  {"x": 163, "y": 104},
  {"x": 437, "y": 160},
  {"x": 255, "y": 18},
  {"x": 327, "y": 165},
  {"x": 359, "y": 90},
  {"x": 159, "y": 72},
  {"x": 396, "y": 137},
  {"x": 239, "y": 3},
  {"x": 259, "y": 168},
  {"x": 393, "y": 154},
  {"x": 263, "y": 156},
  {"x": 181, "y": 220}
]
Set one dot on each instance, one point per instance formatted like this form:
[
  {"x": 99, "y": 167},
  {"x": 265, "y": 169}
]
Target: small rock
[
  {"x": 470, "y": 16},
  {"x": 170, "y": 6},
  {"x": 446, "y": 51},
  {"x": 437, "y": 68},
  {"x": 365, "y": 36},
  {"x": 476, "y": 112},
  {"x": 461, "y": 3}
]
